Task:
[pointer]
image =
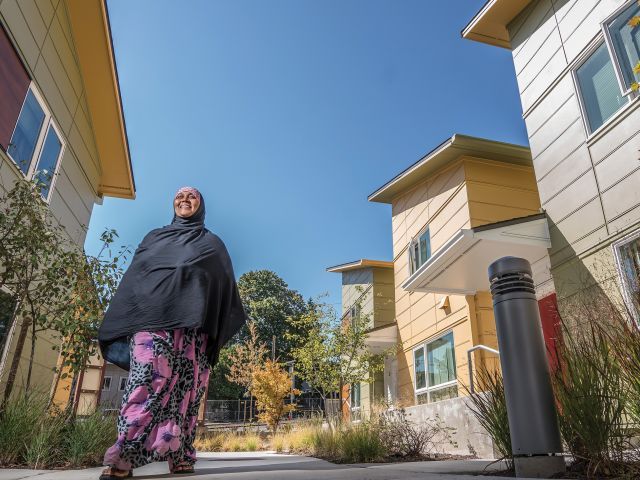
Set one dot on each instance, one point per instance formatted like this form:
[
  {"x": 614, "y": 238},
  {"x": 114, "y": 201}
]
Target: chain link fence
[{"x": 244, "y": 410}]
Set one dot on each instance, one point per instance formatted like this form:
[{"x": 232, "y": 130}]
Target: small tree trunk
[
  {"x": 15, "y": 361},
  {"x": 31, "y": 355}
]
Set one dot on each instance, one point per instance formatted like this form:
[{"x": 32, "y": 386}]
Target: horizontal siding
[
  {"x": 582, "y": 24},
  {"x": 42, "y": 36},
  {"x": 497, "y": 191}
]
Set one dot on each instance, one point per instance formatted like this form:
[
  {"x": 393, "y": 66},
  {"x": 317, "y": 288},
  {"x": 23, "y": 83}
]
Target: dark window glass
[
  {"x": 25, "y": 136},
  {"x": 601, "y": 94},
  {"x": 441, "y": 359},
  {"x": 626, "y": 42},
  {"x": 48, "y": 161},
  {"x": 630, "y": 266},
  {"x": 7, "y": 309},
  {"x": 420, "y": 368}
]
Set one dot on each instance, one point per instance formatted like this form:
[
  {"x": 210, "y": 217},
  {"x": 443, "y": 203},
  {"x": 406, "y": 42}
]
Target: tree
[
  {"x": 245, "y": 358},
  {"x": 270, "y": 302},
  {"x": 271, "y": 384},
  {"x": 333, "y": 354},
  {"x": 219, "y": 385},
  {"x": 54, "y": 285}
]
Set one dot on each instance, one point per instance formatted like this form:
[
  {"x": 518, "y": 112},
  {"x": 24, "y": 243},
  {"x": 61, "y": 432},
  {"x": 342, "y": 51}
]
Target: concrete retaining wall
[{"x": 469, "y": 435}]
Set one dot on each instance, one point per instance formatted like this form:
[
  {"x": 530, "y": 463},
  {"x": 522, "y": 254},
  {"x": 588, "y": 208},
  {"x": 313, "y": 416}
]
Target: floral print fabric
[{"x": 157, "y": 422}]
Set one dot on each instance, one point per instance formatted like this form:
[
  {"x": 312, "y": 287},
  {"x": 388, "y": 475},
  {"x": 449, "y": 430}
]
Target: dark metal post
[{"x": 525, "y": 369}]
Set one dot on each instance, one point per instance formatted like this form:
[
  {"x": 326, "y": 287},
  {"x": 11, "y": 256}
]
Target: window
[
  {"x": 355, "y": 402},
  {"x": 123, "y": 384},
  {"x": 25, "y": 136},
  {"x": 599, "y": 88},
  {"x": 606, "y": 79},
  {"x": 628, "y": 259},
  {"x": 435, "y": 378},
  {"x": 623, "y": 36},
  {"x": 106, "y": 383},
  {"x": 419, "y": 251},
  {"x": 36, "y": 145},
  {"x": 354, "y": 315},
  {"x": 7, "y": 310}
]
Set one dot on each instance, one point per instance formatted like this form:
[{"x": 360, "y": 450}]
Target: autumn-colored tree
[
  {"x": 245, "y": 358},
  {"x": 271, "y": 385}
]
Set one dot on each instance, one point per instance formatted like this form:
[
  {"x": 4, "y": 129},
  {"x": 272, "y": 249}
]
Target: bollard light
[{"x": 533, "y": 424}]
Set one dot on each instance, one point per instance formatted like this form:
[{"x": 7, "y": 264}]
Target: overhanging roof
[
  {"x": 358, "y": 264},
  {"x": 490, "y": 24},
  {"x": 92, "y": 38},
  {"x": 447, "y": 152},
  {"x": 382, "y": 338},
  {"x": 460, "y": 265}
]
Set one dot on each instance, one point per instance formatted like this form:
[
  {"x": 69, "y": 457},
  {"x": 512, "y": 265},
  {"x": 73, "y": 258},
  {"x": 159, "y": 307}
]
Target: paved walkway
[{"x": 271, "y": 466}]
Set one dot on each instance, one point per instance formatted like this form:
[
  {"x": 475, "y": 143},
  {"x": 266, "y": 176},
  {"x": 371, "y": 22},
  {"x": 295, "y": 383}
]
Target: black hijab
[{"x": 180, "y": 277}]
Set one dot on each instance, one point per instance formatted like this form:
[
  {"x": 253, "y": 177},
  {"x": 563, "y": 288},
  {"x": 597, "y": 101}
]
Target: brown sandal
[
  {"x": 112, "y": 473},
  {"x": 184, "y": 468}
]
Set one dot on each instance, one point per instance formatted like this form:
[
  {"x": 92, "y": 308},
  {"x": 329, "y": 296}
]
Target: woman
[{"x": 176, "y": 306}]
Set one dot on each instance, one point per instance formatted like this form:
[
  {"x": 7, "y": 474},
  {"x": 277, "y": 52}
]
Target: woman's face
[{"x": 186, "y": 204}]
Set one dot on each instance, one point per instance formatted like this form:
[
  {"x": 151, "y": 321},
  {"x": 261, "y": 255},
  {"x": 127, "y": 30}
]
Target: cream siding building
[
  {"x": 574, "y": 64},
  {"x": 58, "y": 68}
]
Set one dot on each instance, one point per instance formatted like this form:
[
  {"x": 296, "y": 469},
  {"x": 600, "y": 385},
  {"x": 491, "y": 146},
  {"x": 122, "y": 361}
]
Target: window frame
[
  {"x": 6, "y": 345},
  {"x": 580, "y": 61},
  {"x": 431, "y": 389},
  {"x": 104, "y": 379},
  {"x": 415, "y": 241},
  {"x": 47, "y": 123},
  {"x": 624, "y": 288},
  {"x": 608, "y": 38},
  {"x": 355, "y": 410},
  {"x": 121, "y": 387}
]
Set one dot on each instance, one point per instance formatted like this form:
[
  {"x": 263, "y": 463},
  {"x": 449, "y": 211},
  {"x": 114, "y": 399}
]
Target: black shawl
[{"x": 180, "y": 277}]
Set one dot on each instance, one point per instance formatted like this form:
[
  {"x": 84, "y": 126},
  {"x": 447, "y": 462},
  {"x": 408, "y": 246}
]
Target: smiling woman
[
  {"x": 187, "y": 202},
  {"x": 176, "y": 306}
]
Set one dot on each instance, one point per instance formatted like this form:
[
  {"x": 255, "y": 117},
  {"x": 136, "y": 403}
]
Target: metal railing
[{"x": 470, "y": 362}]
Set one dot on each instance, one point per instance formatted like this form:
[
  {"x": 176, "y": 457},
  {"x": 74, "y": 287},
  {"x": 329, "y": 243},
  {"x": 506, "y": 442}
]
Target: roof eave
[
  {"x": 450, "y": 150},
  {"x": 489, "y": 25},
  {"x": 358, "y": 264},
  {"x": 90, "y": 28}
]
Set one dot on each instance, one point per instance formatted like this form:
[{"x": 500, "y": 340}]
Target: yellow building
[
  {"x": 368, "y": 293},
  {"x": 463, "y": 205},
  {"x": 61, "y": 111}
]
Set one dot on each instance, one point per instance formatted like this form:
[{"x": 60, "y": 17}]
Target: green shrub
[
  {"x": 45, "y": 447},
  {"x": 88, "y": 438},
  {"x": 19, "y": 423},
  {"x": 490, "y": 408},
  {"x": 361, "y": 443},
  {"x": 592, "y": 396}
]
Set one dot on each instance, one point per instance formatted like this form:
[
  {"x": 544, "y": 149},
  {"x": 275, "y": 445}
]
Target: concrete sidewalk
[{"x": 271, "y": 466}]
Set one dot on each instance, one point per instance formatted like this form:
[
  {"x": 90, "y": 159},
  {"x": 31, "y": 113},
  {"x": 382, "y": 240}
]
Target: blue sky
[{"x": 286, "y": 114}]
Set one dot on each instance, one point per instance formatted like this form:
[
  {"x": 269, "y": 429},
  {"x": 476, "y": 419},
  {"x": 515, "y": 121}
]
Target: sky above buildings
[{"x": 286, "y": 114}]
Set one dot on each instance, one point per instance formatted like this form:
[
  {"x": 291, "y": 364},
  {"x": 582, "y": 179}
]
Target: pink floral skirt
[{"x": 157, "y": 422}]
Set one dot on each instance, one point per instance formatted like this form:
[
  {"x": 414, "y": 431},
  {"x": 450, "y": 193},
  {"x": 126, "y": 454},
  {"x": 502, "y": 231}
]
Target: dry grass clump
[{"x": 230, "y": 442}]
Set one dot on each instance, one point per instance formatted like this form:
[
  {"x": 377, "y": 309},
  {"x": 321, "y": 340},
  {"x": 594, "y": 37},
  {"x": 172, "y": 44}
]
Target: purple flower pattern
[{"x": 157, "y": 421}]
